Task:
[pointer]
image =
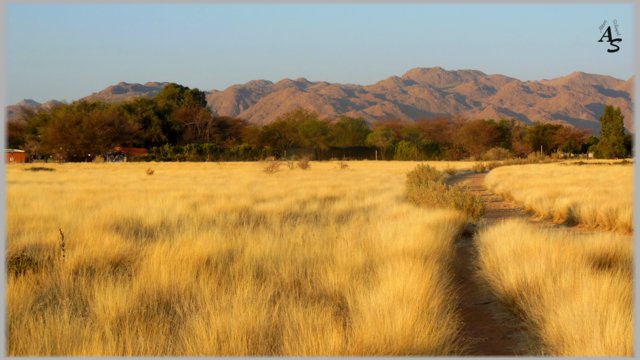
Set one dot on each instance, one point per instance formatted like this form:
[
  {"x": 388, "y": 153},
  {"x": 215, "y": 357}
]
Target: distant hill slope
[
  {"x": 124, "y": 91},
  {"x": 576, "y": 99}
]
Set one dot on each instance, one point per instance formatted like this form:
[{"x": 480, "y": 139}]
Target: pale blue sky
[{"x": 68, "y": 51}]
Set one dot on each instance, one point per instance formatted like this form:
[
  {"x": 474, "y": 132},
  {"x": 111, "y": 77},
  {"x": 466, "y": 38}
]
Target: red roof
[{"x": 132, "y": 151}]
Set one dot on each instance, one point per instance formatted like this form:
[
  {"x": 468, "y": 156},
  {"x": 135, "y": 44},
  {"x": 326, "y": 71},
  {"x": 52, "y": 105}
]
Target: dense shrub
[
  {"x": 423, "y": 174},
  {"x": 497, "y": 153},
  {"x": 425, "y": 187}
]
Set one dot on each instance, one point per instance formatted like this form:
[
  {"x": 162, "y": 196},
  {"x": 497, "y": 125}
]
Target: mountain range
[{"x": 577, "y": 99}]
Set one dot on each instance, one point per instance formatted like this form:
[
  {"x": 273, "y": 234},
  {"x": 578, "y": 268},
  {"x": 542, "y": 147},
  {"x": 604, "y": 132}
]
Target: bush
[
  {"x": 426, "y": 188},
  {"x": 423, "y": 174},
  {"x": 304, "y": 163},
  {"x": 273, "y": 166},
  {"x": 406, "y": 151},
  {"x": 450, "y": 171},
  {"x": 496, "y": 153},
  {"x": 479, "y": 167},
  {"x": 537, "y": 157},
  {"x": 486, "y": 167}
]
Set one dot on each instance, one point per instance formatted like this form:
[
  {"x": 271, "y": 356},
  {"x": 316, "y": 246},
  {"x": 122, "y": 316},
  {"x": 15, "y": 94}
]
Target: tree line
[{"x": 177, "y": 125}]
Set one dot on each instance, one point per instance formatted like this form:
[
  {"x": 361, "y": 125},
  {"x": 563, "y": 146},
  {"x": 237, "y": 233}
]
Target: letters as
[{"x": 611, "y": 41}]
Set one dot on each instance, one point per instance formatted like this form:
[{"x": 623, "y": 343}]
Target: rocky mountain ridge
[{"x": 576, "y": 99}]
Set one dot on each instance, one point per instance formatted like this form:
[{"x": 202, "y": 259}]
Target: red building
[
  {"x": 132, "y": 151},
  {"x": 15, "y": 156}
]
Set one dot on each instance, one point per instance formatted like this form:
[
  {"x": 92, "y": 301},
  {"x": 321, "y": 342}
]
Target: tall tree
[
  {"x": 382, "y": 138},
  {"x": 543, "y": 136},
  {"x": 348, "y": 131},
  {"x": 612, "y": 134},
  {"x": 478, "y": 136},
  {"x": 316, "y": 134}
]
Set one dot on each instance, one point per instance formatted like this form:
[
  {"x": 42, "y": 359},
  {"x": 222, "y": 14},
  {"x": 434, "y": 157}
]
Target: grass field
[
  {"x": 224, "y": 259},
  {"x": 598, "y": 196},
  {"x": 575, "y": 290}
]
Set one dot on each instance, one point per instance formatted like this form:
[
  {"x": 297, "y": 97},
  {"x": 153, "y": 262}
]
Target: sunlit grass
[
  {"x": 599, "y": 196},
  {"x": 224, "y": 259},
  {"x": 574, "y": 290}
]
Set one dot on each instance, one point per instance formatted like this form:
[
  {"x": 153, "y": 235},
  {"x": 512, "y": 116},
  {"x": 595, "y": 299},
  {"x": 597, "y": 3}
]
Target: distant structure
[
  {"x": 15, "y": 156},
  {"x": 120, "y": 154}
]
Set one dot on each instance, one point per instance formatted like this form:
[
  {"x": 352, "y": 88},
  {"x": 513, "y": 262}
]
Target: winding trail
[{"x": 488, "y": 328}]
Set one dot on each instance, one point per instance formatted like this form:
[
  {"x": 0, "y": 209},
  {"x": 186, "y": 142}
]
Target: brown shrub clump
[
  {"x": 304, "y": 163},
  {"x": 425, "y": 187}
]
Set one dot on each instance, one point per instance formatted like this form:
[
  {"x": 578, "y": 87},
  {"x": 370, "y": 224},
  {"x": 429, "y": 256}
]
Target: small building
[
  {"x": 120, "y": 153},
  {"x": 15, "y": 156}
]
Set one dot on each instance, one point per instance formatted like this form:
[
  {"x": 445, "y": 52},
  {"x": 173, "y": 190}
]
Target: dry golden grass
[
  {"x": 574, "y": 289},
  {"x": 224, "y": 259},
  {"x": 599, "y": 196}
]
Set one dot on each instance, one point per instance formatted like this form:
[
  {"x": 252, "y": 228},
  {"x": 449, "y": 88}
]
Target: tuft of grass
[
  {"x": 574, "y": 290},
  {"x": 497, "y": 153},
  {"x": 272, "y": 167},
  {"x": 150, "y": 171},
  {"x": 450, "y": 171},
  {"x": 304, "y": 163},
  {"x": 480, "y": 167}
]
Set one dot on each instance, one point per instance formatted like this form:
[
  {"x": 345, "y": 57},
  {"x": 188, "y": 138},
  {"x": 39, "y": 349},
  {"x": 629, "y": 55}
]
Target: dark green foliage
[
  {"x": 406, "y": 150},
  {"x": 613, "y": 143},
  {"x": 176, "y": 125},
  {"x": 349, "y": 132},
  {"x": 381, "y": 138}
]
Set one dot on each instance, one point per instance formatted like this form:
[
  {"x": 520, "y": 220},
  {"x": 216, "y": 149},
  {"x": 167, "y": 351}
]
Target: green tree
[
  {"x": 348, "y": 131},
  {"x": 382, "y": 138},
  {"x": 316, "y": 134},
  {"x": 542, "y": 136},
  {"x": 84, "y": 129},
  {"x": 148, "y": 119},
  {"x": 177, "y": 107},
  {"x": 406, "y": 150},
  {"x": 612, "y": 134}
]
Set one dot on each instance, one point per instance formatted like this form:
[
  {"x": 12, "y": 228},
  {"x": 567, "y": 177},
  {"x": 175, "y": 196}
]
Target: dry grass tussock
[
  {"x": 223, "y": 259},
  {"x": 426, "y": 187},
  {"x": 573, "y": 289},
  {"x": 595, "y": 196}
]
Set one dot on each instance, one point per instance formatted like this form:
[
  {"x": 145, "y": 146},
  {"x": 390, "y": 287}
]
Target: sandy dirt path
[{"x": 488, "y": 328}]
